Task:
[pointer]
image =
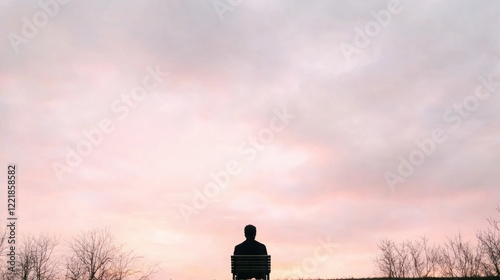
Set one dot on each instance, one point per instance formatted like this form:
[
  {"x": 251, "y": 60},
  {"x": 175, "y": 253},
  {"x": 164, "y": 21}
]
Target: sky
[{"x": 328, "y": 125}]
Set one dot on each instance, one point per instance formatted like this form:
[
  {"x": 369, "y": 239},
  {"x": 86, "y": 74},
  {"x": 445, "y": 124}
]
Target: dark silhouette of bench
[{"x": 250, "y": 266}]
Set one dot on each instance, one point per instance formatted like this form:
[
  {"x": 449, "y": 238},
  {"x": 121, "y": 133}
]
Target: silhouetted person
[{"x": 250, "y": 247}]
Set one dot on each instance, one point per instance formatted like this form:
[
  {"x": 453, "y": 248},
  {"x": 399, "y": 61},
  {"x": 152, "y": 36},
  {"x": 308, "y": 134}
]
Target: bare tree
[
  {"x": 386, "y": 261},
  {"x": 460, "y": 259},
  {"x": 446, "y": 262},
  {"x": 423, "y": 258},
  {"x": 75, "y": 269},
  {"x": 403, "y": 264},
  {"x": 36, "y": 260},
  {"x": 489, "y": 243},
  {"x": 127, "y": 264},
  {"x": 417, "y": 262},
  {"x": 3, "y": 245},
  {"x": 93, "y": 253},
  {"x": 400, "y": 260},
  {"x": 95, "y": 256},
  {"x": 45, "y": 265},
  {"x": 24, "y": 267},
  {"x": 455, "y": 258}
]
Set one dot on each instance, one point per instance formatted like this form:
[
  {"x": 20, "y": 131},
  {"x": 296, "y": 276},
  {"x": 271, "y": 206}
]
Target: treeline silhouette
[
  {"x": 456, "y": 258},
  {"x": 91, "y": 255}
]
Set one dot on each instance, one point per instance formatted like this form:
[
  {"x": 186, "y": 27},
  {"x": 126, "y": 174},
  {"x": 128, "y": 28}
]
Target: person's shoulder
[
  {"x": 238, "y": 249},
  {"x": 242, "y": 244},
  {"x": 260, "y": 244}
]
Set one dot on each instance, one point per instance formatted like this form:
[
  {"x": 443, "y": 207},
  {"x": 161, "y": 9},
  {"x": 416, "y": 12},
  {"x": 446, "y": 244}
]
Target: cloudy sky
[{"x": 327, "y": 124}]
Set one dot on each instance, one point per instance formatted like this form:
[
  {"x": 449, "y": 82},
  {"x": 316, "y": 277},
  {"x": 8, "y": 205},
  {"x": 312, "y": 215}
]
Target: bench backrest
[{"x": 251, "y": 264}]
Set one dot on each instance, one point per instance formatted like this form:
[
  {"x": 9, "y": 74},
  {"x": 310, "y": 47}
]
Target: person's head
[{"x": 250, "y": 232}]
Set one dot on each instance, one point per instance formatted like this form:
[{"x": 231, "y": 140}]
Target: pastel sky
[{"x": 309, "y": 104}]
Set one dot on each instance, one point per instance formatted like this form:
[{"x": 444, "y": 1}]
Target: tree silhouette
[
  {"x": 95, "y": 256},
  {"x": 489, "y": 244},
  {"x": 35, "y": 258},
  {"x": 455, "y": 258}
]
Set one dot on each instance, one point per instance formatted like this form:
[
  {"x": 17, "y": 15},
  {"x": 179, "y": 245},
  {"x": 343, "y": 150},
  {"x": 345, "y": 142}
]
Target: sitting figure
[{"x": 250, "y": 247}]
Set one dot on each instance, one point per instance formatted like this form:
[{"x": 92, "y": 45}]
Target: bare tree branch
[{"x": 95, "y": 256}]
